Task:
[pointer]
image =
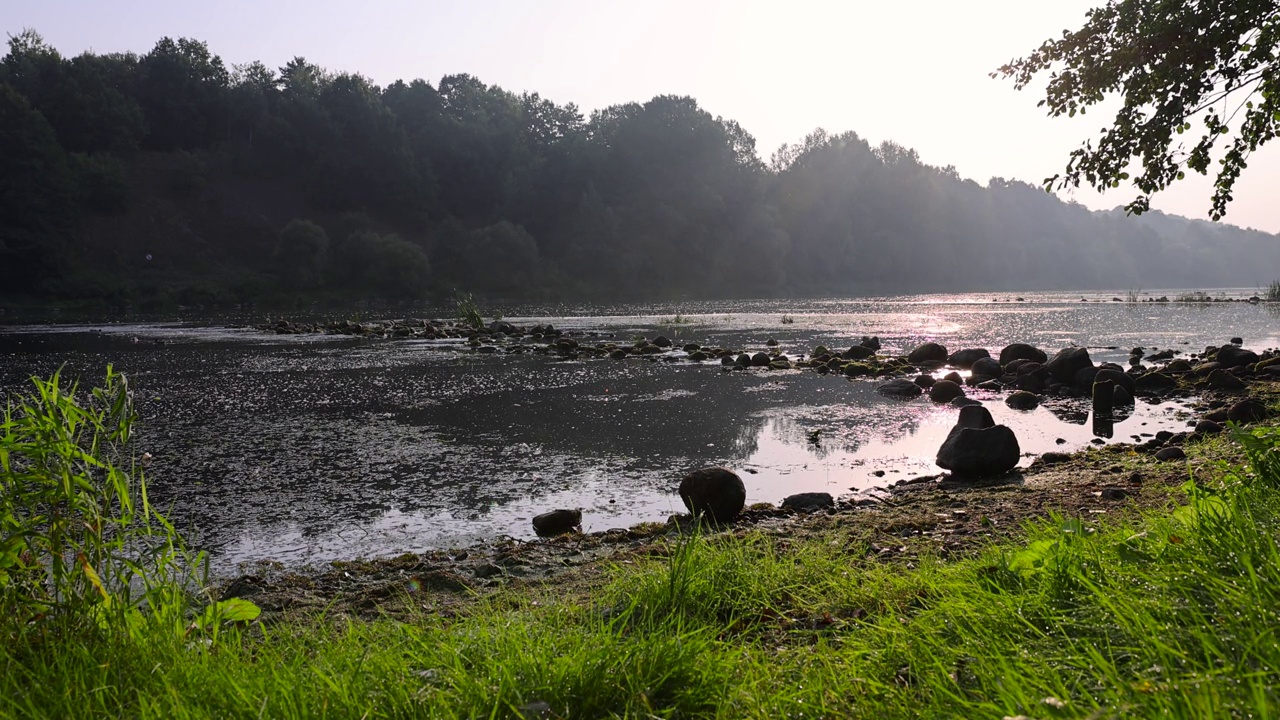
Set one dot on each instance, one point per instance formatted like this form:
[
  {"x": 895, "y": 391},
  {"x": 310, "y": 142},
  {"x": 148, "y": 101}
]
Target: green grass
[
  {"x": 1170, "y": 613},
  {"x": 1272, "y": 292}
]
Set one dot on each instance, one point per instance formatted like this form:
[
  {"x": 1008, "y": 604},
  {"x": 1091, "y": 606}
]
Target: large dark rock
[
  {"x": 976, "y": 453},
  {"x": 1031, "y": 382},
  {"x": 1247, "y": 411},
  {"x": 808, "y": 502},
  {"x": 1022, "y": 351},
  {"x": 930, "y": 352},
  {"x": 761, "y": 360},
  {"x": 976, "y": 417},
  {"x": 925, "y": 381},
  {"x": 1120, "y": 378},
  {"x": 967, "y": 357},
  {"x": 858, "y": 352},
  {"x": 944, "y": 391},
  {"x": 1223, "y": 380},
  {"x": 900, "y": 389},
  {"x": 1171, "y": 453},
  {"x": 872, "y": 342},
  {"x": 1154, "y": 382},
  {"x": 714, "y": 492},
  {"x": 1068, "y": 363},
  {"x": 1235, "y": 356},
  {"x": 1121, "y": 397},
  {"x": 988, "y": 366},
  {"x": 1023, "y": 400},
  {"x": 662, "y": 341},
  {"x": 1084, "y": 378},
  {"x": 557, "y": 522}
]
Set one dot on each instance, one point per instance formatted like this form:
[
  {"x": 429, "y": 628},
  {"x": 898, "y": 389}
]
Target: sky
[{"x": 916, "y": 73}]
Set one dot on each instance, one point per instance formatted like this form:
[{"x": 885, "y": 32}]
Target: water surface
[{"x": 311, "y": 448}]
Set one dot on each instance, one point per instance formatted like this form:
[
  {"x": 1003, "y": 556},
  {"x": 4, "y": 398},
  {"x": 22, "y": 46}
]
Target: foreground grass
[{"x": 1171, "y": 614}]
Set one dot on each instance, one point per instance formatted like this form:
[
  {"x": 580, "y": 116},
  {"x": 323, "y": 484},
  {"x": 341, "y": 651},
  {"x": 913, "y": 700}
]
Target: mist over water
[{"x": 309, "y": 448}]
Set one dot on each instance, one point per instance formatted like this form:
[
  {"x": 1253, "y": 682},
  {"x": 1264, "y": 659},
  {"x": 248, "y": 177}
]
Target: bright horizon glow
[{"x": 913, "y": 73}]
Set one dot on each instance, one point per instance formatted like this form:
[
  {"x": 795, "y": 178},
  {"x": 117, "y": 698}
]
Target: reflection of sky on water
[{"x": 310, "y": 448}]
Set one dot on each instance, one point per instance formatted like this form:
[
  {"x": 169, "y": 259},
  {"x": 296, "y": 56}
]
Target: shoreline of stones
[{"x": 975, "y": 448}]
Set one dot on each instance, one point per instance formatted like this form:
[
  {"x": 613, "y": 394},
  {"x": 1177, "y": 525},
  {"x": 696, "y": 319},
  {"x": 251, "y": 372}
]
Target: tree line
[{"x": 172, "y": 175}]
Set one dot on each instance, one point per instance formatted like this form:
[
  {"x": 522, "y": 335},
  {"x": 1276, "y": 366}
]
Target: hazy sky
[{"x": 915, "y": 73}]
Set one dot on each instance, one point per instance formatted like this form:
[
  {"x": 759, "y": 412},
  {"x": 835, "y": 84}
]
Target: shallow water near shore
[{"x": 308, "y": 448}]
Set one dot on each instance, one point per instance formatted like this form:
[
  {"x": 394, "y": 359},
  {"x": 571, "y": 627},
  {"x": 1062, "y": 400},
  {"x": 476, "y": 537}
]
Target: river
[{"x": 309, "y": 448}]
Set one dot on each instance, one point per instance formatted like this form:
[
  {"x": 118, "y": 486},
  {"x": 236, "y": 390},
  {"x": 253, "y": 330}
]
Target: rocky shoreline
[{"x": 942, "y": 514}]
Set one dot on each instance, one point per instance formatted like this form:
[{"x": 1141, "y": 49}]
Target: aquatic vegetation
[
  {"x": 468, "y": 312},
  {"x": 1272, "y": 292},
  {"x": 677, "y": 320}
]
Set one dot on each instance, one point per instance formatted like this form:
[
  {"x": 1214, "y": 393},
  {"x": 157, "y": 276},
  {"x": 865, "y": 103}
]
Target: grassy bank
[{"x": 1167, "y": 612}]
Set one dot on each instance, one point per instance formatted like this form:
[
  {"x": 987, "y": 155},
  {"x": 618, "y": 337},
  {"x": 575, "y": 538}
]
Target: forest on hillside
[{"x": 172, "y": 177}]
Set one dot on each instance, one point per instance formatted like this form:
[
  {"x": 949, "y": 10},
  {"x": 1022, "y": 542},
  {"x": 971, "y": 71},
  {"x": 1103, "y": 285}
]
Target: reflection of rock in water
[
  {"x": 747, "y": 441},
  {"x": 1104, "y": 426},
  {"x": 1072, "y": 413}
]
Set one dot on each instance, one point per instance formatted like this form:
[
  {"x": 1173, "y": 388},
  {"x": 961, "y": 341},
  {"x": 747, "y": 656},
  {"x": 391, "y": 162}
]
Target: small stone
[
  {"x": 808, "y": 502},
  {"x": 1208, "y": 427},
  {"x": 1170, "y": 453},
  {"x": 557, "y": 522},
  {"x": 900, "y": 389}
]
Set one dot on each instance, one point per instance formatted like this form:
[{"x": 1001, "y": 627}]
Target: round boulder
[
  {"x": 1234, "y": 356},
  {"x": 557, "y": 522},
  {"x": 925, "y": 381},
  {"x": 714, "y": 492},
  {"x": 1023, "y": 400},
  {"x": 1154, "y": 382},
  {"x": 1247, "y": 411},
  {"x": 1118, "y": 377},
  {"x": 1222, "y": 380},
  {"x": 988, "y": 366},
  {"x": 977, "y": 453},
  {"x": 662, "y": 341},
  {"x": 944, "y": 391},
  {"x": 1022, "y": 351},
  {"x": 929, "y": 352},
  {"x": 1068, "y": 363},
  {"x": 967, "y": 357},
  {"x": 974, "y": 416}
]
